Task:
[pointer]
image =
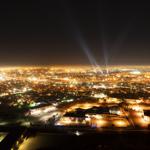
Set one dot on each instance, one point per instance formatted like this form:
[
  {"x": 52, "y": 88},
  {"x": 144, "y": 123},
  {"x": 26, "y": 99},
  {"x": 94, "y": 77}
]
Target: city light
[{"x": 73, "y": 96}]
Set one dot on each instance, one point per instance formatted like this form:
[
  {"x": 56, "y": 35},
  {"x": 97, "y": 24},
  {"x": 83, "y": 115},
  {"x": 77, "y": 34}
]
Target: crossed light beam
[
  {"x": 81, "y": 41},
  {"x": 87, "y": 52}
]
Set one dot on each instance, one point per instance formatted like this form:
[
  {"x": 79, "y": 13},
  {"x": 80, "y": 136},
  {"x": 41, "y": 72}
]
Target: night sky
[{"x": 74, "y": 32}]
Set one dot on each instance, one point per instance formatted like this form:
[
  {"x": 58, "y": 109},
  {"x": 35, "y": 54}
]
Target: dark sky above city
[{"x": 74, "y": 32}]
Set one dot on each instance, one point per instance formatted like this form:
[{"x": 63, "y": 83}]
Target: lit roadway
[{"x": 44, "y": 116}]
